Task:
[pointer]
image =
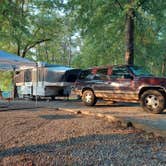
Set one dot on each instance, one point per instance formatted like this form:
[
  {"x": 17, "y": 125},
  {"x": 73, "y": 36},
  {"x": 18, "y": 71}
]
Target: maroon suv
[{"x": 122, "y": 84}]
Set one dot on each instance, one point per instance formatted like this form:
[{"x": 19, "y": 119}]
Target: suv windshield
[{"x": 138, "y": 71}]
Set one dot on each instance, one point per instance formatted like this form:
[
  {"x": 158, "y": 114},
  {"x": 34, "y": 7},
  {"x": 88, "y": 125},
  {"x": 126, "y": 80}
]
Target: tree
[
  {"x": 129, "y": 53},
  {"x": 102, "y": 31},
  {"x": 31, "y": 25},
  {"x": 38, "y": 30},
  {"x": 106, "y": 23}
]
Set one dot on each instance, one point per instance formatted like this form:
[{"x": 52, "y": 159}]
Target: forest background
[{"x": 85, "y": 33}]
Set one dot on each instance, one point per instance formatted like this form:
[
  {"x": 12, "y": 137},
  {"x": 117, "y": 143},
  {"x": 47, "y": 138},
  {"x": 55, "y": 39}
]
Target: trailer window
[
  {"x": 19, "y": 77},
  {"x": 53, "y": 76},
  {"x": 28, "y": 75},
  {"x": 40, "y": 74}
]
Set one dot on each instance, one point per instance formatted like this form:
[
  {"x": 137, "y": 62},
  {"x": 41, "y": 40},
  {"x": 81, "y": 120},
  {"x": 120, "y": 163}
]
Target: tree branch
[
  {"x": 141, "y": 3},
  {"x": 121, "y": 7},
  {"x": 28, "y": 47}
]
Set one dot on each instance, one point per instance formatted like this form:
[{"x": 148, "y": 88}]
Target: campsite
[
  {"x": 62, "y": 131},
  {"x": 82, "y": 83}
]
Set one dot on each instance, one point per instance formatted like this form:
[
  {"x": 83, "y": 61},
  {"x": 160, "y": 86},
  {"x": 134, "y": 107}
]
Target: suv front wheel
[
  {"x": 89, "y": 98},
  {"x": 153, "y": 101}
]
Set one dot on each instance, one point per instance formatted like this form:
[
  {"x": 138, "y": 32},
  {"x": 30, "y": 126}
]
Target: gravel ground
[{"x": 45, "y": 136}]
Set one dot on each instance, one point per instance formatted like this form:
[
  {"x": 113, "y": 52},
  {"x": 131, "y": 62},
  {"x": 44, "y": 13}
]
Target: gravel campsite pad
[{"x": 44, "y": 136}]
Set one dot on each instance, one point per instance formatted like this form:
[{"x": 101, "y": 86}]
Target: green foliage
[
  {"x": 102, "y": 29},
  {"x": 6, "y": 81},
  {"x": 150, "y": 36},
  {"x": 102, "y": 26},
  {"x": 84, "y": 33}
]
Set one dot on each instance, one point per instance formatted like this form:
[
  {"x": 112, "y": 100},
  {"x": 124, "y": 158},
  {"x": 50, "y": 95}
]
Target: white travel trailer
[{"x": 45, "y": 81}]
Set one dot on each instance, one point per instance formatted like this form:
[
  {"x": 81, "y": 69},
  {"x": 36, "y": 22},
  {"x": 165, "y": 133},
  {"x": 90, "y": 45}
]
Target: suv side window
[
  {"x": 102, "y": 74},
  {"x": 86, "y": 75},
  {"x": 120, "y": 72}
]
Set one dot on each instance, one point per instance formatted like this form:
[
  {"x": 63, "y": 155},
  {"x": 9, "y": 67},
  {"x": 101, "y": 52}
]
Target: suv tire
[
  {"x": 153, "y": 101},
  {"x": 89, "y": 98}
]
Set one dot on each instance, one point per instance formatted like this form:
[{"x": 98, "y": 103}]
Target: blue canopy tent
[
  {"x": 13, "y": 62},
  {"x": 8, "y": 61}
]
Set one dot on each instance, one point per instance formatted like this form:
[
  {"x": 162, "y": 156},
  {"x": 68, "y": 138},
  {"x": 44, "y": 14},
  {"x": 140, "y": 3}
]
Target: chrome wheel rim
[
  {"x": 88, "y": 98},
  {"x": 152, "y": 101}
]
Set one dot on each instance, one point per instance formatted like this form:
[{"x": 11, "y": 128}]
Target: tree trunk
[
  {"x": 18, "y": 50},
  {"x": 129, "y": 54},
  {"x": 15, "y": 95},
  {"x": 46, "y": 51},
  {"x": 164, "y": 67},
  {"x": 69, "y": 52}
]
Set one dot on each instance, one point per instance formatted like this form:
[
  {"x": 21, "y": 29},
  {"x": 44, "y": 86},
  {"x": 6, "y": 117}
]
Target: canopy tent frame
[{"x": 13, "y": 62}]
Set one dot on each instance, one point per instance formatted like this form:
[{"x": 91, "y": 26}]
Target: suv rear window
[
  {"x": 119, "y": 72},
  {"x": 85, "y": 74}
]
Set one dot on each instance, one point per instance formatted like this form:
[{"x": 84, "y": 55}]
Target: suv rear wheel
[
  {"x": 89, "y": 98},
  {"x": 153, "y": 101}
]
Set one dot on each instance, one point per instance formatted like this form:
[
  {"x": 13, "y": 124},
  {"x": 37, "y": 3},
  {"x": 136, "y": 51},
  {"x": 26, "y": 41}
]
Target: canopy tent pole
[
  {"x": 36, "y": 83},
  {"x": 14, "y": 84}
]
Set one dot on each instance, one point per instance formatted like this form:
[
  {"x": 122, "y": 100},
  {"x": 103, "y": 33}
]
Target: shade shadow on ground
[
  {"x": 56, "y": 117},
  {"x": 94, "y": 146}
]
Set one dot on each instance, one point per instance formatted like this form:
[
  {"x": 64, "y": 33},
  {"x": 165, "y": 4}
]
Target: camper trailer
[{"x": 46, "y": 80}]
